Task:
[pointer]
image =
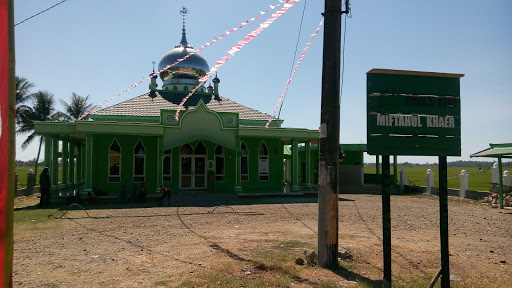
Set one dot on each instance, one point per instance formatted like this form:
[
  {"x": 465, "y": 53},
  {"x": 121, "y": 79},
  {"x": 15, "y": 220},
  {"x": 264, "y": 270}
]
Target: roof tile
[{"x": 144, "y": 105}]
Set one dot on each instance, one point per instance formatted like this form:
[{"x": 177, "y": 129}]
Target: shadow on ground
[
  {"x": 176, "y": 201},
  {"x": 353, "y": 276}
]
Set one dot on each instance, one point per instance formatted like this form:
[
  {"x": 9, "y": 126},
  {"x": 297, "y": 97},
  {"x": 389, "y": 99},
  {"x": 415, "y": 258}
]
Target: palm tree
[
  {"x": 41, "y": 110},
  {"x": 23, "y": 94},
  {"x": 76, "y": 108}
]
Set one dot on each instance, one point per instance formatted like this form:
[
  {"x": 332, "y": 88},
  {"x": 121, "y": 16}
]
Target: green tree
[
  {"x": 23, "y": 94},
  {"x": 76, "y": 108},
  {"x": 43, "y": 109}
]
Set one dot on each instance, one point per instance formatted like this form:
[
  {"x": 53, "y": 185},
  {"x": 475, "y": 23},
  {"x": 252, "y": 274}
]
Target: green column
[
  {"x": 83, "y": 159},
  {"x": 238, "y": 165},
  {"x": 88, "y": 163},
  {"x": 65, "y": 167},
  {"x": 307, "y": 184},
  {"x": 78, "y": 179},
  {"x": 500, "y": 174},
  {"x": 54, "y": 169},
  {"x": 71, "y": 163},
  {"x": 295, "y": 166},
  {"x": 159, "y": 163},
  {"x": 47, "y": 151}
]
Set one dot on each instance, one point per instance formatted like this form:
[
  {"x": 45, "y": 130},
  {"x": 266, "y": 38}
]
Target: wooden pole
[
  {"x": 386, "y": 219},
  {"x": 329, "y": 137},
  {"x": 377, "y": 164},
  {"x": 443, "y": 214},
  {"x": 395, "y": 169}
]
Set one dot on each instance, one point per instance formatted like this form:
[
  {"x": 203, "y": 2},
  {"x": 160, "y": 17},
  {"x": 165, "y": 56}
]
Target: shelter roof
[
  {"x": 144, "y": 105},
  {"x": 503, "y": 150},
  {"x": 344, "y": 147}
]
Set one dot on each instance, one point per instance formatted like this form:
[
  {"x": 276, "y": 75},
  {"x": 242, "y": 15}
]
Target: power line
[
  {"x": 343, "y": 57},
  {"x": 40, "y": 12},
  {"x": 295, "y": 54},
  {"x": 349, "y": 15}
]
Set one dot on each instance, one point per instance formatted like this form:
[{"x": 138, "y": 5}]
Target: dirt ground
[{"x": 254, "y": 243}]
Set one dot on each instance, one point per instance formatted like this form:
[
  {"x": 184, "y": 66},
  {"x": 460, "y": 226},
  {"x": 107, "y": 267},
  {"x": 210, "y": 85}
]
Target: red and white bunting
[
  {"x": 177, "y": 61},
  {"x": 236, "y": 48},
  {"x": 293, "y": 73}
]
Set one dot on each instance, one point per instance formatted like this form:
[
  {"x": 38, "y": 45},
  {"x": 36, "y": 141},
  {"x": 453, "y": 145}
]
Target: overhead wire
[
  {"x": 40, "y": 12},
  {"x": 343, "y": 54},
  {"x": 295, "y": 54},
  {"x": 144, "y": 79}
]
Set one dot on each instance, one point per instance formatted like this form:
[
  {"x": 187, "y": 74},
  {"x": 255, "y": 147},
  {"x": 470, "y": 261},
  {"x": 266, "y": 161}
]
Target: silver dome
[{"x": 194, "y": 67}]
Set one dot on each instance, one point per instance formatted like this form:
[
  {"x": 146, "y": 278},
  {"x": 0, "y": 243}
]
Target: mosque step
[{"x": 202, "y": 196}]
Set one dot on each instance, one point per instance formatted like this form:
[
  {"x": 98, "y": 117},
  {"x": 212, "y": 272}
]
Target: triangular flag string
[
  {"x": 144, "y": 79},
  {"x": 293, "y": 73},
  {"x": 237, "y": 48}
]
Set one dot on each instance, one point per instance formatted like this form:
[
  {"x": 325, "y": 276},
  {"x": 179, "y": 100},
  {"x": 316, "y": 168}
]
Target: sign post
[
  {"x": 443, "y": 221},
  {"x": 386, "y": 219},
  {"x": 413, "y": 113}
]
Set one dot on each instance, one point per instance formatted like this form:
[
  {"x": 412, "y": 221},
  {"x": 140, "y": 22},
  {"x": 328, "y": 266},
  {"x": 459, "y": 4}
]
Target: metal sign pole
[
  {"x": 386, "y": 219},
  {"x": 443, "y": 223}
]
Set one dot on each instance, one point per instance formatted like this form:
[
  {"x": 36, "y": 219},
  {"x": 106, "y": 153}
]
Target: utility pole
[{"x": 330, "y": 136}]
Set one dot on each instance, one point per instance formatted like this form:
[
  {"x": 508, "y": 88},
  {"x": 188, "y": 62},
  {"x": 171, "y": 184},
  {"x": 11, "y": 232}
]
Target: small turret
[
  {"x": 216, "y": 82},
  {"x": 153, "y": 76},
  {"x": 210, "y": 88}
]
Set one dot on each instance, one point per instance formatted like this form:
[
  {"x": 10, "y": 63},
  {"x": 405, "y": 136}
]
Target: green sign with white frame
[{"x": 413, "y": 113}]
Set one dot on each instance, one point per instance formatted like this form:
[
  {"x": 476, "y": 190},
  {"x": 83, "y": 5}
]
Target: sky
[{"x": 99, "y": 48}]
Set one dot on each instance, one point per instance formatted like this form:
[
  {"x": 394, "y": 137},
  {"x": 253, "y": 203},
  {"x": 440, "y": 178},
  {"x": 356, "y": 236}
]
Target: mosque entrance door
[{"x": 193, "y": 167}]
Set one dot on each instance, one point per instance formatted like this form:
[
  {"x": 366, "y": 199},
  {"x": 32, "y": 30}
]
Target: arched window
[
  {"x": 244, "y": 167},
  {"x": 186, "y": 150},
  {"x": 167, "y": 165},
  {"x": 114, "y": 163},
  {"x": 200, "y": 149},
  {"x": 219, "y": 163},
  {"x": 139, "y": 162},
  {"x": 263, "y": 162}
]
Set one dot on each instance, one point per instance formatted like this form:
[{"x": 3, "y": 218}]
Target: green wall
[
  {"x": 101, "y": 144},
  {"x": 275, "y": 182}
]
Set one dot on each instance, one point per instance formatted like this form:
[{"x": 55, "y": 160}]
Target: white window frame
[
  {"x": 144, "y": 158},
  {"x": 170, "y": 168},
  {"x": 220, "y": 177},
  {"x": 263, "y": 157},
  {"x": 246, "y": 156},
  {"x": 109, "y": 164}
]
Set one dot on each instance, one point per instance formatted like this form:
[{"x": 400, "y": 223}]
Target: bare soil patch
[{"x": 254, "y": 243}]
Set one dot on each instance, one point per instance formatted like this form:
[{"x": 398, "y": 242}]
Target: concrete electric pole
[{"x": 330, "y": 136}]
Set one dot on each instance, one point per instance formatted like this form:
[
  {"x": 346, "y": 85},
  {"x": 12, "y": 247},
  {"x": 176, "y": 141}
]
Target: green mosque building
[{"x": 217, "y": 145}]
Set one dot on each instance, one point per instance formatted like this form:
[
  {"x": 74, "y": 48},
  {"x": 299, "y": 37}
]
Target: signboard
[{"x": 413, "y": 113}]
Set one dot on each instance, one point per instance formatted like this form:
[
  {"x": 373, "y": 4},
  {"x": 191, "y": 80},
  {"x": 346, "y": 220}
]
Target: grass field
[
  {"x": 22, "y": 172},
  {"x": 479, "y": 180}
]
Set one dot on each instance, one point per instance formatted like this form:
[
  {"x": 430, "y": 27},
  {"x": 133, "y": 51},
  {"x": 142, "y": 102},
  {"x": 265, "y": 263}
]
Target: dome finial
[{"x": 184, "y": 42}]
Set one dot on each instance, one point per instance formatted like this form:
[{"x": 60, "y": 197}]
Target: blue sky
[{"x": 99, "y": 48}]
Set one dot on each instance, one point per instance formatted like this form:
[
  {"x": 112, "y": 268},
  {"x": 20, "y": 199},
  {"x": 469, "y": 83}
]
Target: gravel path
[{"x": 153, "y": 246}]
